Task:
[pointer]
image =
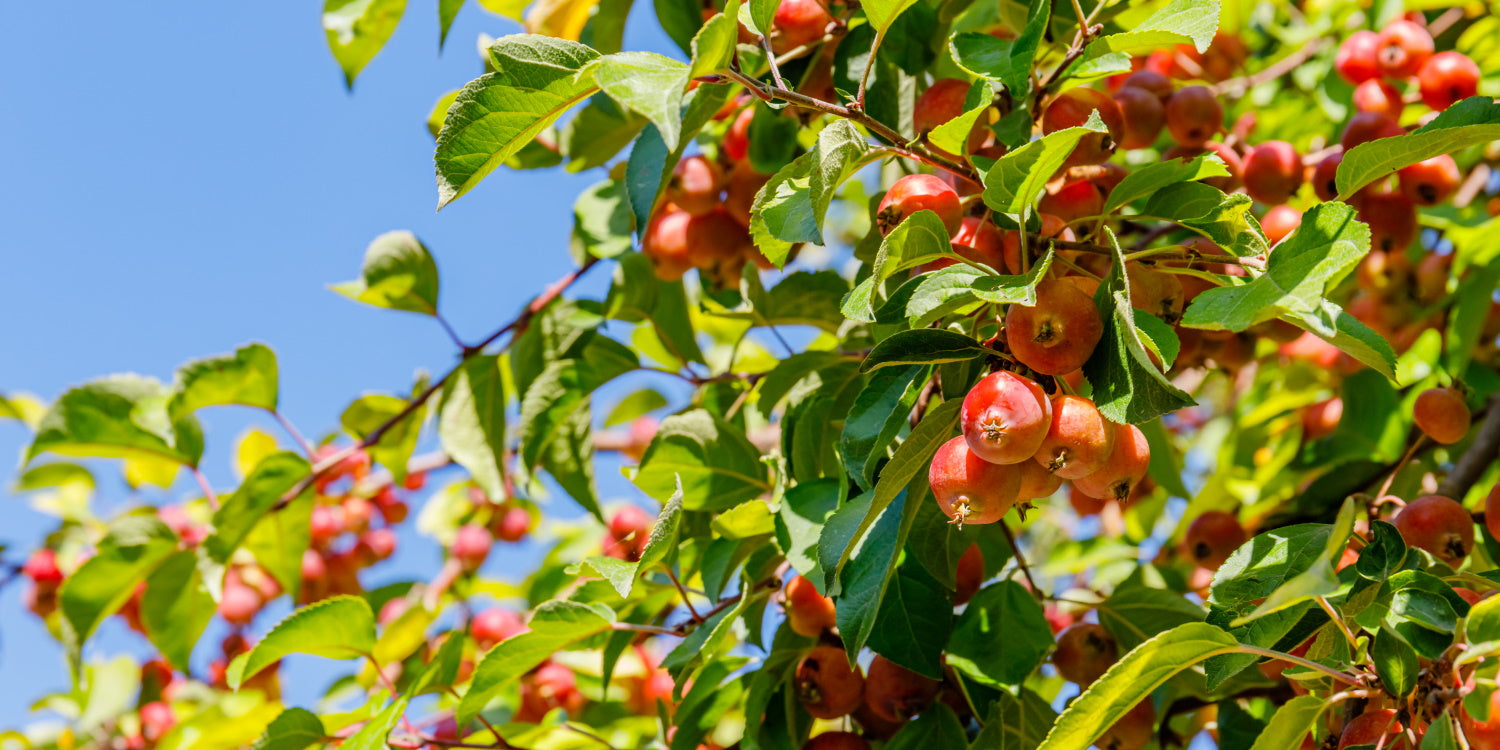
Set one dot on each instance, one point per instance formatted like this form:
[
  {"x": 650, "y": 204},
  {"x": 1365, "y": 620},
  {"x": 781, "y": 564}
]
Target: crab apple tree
[{"x": 1031, "y": 375}]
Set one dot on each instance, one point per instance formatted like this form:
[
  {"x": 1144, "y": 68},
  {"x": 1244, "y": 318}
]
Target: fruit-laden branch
[
  {"x": 517, "y": 326},
  {"x": 1238, "y": 86},
  {"x": 1091, "y": 247},
  {"x": 880, "y": 129},
  {"x": 1481, "y": 453}
]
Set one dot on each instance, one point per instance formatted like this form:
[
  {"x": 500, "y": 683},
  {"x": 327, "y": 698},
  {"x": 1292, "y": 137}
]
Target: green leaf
[
  {"x": 471, "y": 421},
  {"x": 1318, "y": 579},
  {"x": 923, "y": 346},
  {"x": 279, "y": 540},
  {"x": 271, "y": 479},
  {"x": 1483, "y": 622},
  {"x": 537, "y": 78},
  {"x": 651, "y": 163},
  {"x": 921, "y": 238},
  {"x": 1132, "y": 679},
  {"x": 570, "y": 459},
  {"x": 647, "y": 83},
  {"x": 799, "y": 522},
  {"x": 953, "y": 135},
  {"x": 121, "y": 416},
  {"x": 341, "y": 627},
  {"x": 713, "y": 46},
  {"x": 812, "y": 365},
  {"x": 134, "y": 547},
  {"x": 295, "y": 729},
  {"x": 398, "y": 274},
  {"x": 373, "y": 735},
  {"x": 879, "y": 412},
  {"x": 1384, "y": 554},
  {"x": 1470, "y": 310},
  {"x": 864, "y": 578},
  {"x": 790, "y": 208},
  {"x": 1019, "y": 723},
  {"x": 556, "y": 626},
  {"x": 715, "y": 692},
  {"x": 1291, "y": 722},
  {"x": 602, "y": 220},
  {"x": 635, "y": 406},
  {"x": 1147, "y": 179},
  {"x": 1225, "y": 219},
  {"x": 566, "y": 384},
  {"x": 1128, "y": 387},
  {"x": 1006, "y": 290},
  {"x": 357, "y": 29},
  {"x": 402, "y": 637},
  {"x": 937, "y": 727},
  {"x": 1002, "y": 636},
  {"x": 1016, "y": 180},
  {"x": 718, "y": 466},
  {"x": 934, "y": 296},
  {"x": 1135, "y": 613},
  {"x": 248, "y": 378},
  {"x": 447, "y": 11},
  {"x": 371, "y": 412},
  {"x": 1395, "y": 662},
  {"x": 1180, "y": 21},
  {"x": 1009, "y": 62},
  {"x": 176, "y": 608},
  {"x": 1440, "y": 734},
  {"x": 1328, "y": 243},
  {"x": 907, "y": 464},
  {"x": 1266, "y": 562},
  {"x": 883, "y": 13},
  {"x": 913, "y": 622},
  {"x": 1471, "y": 122}
]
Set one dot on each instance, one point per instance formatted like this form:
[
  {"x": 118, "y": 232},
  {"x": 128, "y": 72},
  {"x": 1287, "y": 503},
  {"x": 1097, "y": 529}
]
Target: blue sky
[{"x": 177, "y": 179}]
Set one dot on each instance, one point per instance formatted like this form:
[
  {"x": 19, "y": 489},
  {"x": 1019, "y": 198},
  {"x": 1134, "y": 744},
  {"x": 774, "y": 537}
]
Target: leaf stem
[
  {"x": 1344, "y": 677},
  {"x": 1015, "y": 549},
  {"x": 208, "y": 490},
  {"x": 286, "y": 424}
]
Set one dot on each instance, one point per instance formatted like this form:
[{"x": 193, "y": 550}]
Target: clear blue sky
[{"x": 177, "y": 179}]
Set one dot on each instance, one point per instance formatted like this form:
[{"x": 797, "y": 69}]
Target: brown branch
[
  {"x": 1481, "y": 453},
  {"x": 1278, "y": 69},
  {"x": 517, "y": 326}
]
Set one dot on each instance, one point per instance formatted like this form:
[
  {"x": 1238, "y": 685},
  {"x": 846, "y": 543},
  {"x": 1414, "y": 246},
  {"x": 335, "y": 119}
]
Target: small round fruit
[
  {"x": 895, "y": 693},
  {"x": 1368, "y": 126},
  {"x": 1482, "y": 735},
  {"x": 1356, "y": 61},
  {"x": 1071, "y": 109},
  {"x": 1149, "y": 80},
  {"x": 1376, "y": 95},
  {"x": 1084, "y": 652},
  {"x": 1279, "y": 222},
  {"x": 1447, "y": 78},
  {"x": 1212, "y": 537},
  {"x": 695, "y": 185},
  {"x": 1058, "y": 333},
  {"x": 837, "y": 741},
  {"x": 1430, "y": 181},
  {"x": 1442, "y": 415},
  {"x": 511, "y": 525},
  {"x": 471, "y": 546},
  {"x": 1392, "y": 218},
  {"x": 808, "y": 613},
  {"x": 1325, "y": 177},
  {"x": 941, "y": 102},
  {"x": 915, "y": 192},
  {"x": 740, "y": 191},
  {"x": 1142, "y": 115},
  {"x": 1079, "y": 441},
  {"x": 1005, "y": 417},
  {"x": 666, "y": 245},
  {"x": 970, "y": 489},
  {"x": 1133, "y": 731},
  {"x": 156, "y": 720},
  {"x": 968, "y": 576},
  {"x": 1403, "y": 47},
  {"x": 798, "y": 23},
  {"x": 1439, "y": 525},
  {"x": 1073, "y": 200},
  {"x": 495, "y": 625},
  {"x": 1371, "y": 727},
  {"x": 1194, "y": 115},
  {"x": 42, "y": 568},
  {"x": 1124, "y": 470},
  {"x": 1321, "y": 419},
  {"x": 1157, "y": 292},
  {"x": 629, "y": 531},
  {"x": 984, "y": 240},
  {"x": 1273, "y": 172},
  {"x": 827, "y": 685},
  {"x": 737, "y": 137},
  {"x": 239, "y": 602},
  {"x": 1036, "y": 482}
]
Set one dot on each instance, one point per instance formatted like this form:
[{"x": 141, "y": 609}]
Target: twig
[
  {"x": 634, "y": 628},
  {"x": 771, "y": 61},
  {"x": 517, "y": 326},
  {"x": 208, "y": 490},
  {"x": 1015, "y": 550},
  {"x": 671, "y": 574},
  {"x": 286, "y": 424},
  {"x": 1444, "y": 22},
  {"x": 1091, "y": 247},
  {"x": 1481, "y": 453},
  {"x": 452, "y": 334},
  {"x": 1391, "y": 478},
  {"x": 589, "y": 735},
  {"x": 864, "y": 78},
  {"x": 1276, "y": 70},
  {"x": 1344, "y": 677}
]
